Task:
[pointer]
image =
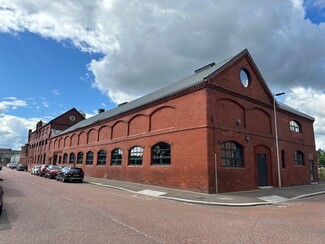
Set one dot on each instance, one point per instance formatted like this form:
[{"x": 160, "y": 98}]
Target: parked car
[
  {"x": 41, "y": 170},
  {"x": 13, "y": 165},
  {"x": 22, "y": 167},
  {"x": 52, "y": 171},
  {"x": 34, "y": 169},
  {"x": 70, "y": 173}
]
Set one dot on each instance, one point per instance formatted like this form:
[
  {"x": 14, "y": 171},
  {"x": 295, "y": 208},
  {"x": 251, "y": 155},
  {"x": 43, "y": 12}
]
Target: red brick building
[
  {"x": 213, "y": 132},
  {"x": 35, "y": 151}
]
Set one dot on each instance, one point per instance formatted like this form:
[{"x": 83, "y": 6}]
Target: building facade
[
  {"x": 211, "y": 132},
  {"x": 35, "y": 150},
  {"x": 6, "y": 154}
]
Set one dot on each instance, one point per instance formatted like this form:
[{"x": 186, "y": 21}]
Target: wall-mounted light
[{"x": 248, "y": 138}]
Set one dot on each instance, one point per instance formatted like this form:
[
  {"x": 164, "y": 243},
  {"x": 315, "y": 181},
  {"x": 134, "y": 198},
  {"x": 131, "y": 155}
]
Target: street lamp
[{"x": 276, "y": 137}]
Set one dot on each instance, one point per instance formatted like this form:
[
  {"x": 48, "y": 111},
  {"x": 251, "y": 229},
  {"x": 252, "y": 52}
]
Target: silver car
[{"x": 35, "y": 169}]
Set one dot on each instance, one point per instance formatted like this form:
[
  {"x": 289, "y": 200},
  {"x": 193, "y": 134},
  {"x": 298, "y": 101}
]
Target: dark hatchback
[
  {"x": 70, "y": 173},
  {"x": 22, "y": 167}
]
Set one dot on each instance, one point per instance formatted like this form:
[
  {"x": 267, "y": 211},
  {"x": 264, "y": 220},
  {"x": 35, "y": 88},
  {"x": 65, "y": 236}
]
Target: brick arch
[
  {"x": 104, "y": 133},
  {"x": 74, "y": 140},
  {"x": 56, "y": 144},
  {"x": 162, "y": 118},
  {"x": 119, "y": 129},
  {"x": 51, "y": 144},
  {"x": 82, "y": 138},
  {"x": 92, "y": 136},
  {"x": 229, "y": 113},
  {"x": 138, "y": 124},
  {"x": 67, "y": 141},
  {"x": 259, "y": 121},
  {"x": 61, "y": 140}
]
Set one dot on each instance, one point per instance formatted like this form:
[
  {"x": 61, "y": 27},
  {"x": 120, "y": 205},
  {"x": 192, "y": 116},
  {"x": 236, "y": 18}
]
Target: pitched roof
[
  {"x": 180, "y": 85},
  {"x": 198, "y": 77},
  {"x": 294, "y": 111}
]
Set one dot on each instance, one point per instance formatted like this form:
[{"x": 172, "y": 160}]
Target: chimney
[
  {"x": 29, "y": 132},
  {"x": 83, "y": 114},
  {"x": 121, "y": 104},
  {"x": 101, "y": 110}
]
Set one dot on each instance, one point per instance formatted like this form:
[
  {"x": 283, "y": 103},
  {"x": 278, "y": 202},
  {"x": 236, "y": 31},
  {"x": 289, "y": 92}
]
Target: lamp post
[{"x": 277, "y": 138}]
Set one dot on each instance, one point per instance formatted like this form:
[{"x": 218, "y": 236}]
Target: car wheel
[{"x": 57, "y": 179}]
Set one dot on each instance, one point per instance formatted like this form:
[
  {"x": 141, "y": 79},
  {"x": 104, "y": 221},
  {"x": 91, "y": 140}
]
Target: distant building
[
  {"x": 15, "y": 158},
  {"x": 213, "y": 132},
  {"x": 6, "y": 154},
  {"x": 35, "y": 150}
]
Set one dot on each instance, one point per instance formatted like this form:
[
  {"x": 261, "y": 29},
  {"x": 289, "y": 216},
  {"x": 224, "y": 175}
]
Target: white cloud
[
  {"x": 14, "y": 131},
  {"x": 148, "y": 44},
  {"x": 311, "y": 102},
  {"x": 11, "y": 103},
  {"x": 56, "y": 92}
]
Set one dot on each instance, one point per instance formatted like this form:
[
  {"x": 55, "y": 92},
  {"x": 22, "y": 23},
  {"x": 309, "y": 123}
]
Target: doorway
[
  {"x": 312, "y": 171},
  {"x": 262, "y": 169}
]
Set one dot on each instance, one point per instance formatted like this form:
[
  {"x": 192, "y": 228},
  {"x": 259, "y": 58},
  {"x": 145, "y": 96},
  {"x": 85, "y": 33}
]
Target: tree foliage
[{"x": 321, "y": 157}]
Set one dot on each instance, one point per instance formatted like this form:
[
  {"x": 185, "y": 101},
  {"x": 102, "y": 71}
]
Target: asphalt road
[{"x": 38, "y": 210}]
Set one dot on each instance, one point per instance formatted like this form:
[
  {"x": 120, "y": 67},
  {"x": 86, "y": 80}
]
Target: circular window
[
  {"x": 72, "y": 118},
  {"x": 244, "y": 77}
]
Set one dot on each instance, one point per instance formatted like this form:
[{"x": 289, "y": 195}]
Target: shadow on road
[{"x": 4, "y": 222}]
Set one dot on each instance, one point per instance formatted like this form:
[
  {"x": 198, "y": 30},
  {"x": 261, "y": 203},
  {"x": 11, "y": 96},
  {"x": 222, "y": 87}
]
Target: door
[
  {"x": 311, "y": 170},
  {"x": 55, "y": 159},
  {"x": 262, "y": 169}
]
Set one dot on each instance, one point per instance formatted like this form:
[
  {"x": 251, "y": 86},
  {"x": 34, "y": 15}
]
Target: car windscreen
[
  {"x": 76, "y": 170},
  {"x": 57, "y": 167}
]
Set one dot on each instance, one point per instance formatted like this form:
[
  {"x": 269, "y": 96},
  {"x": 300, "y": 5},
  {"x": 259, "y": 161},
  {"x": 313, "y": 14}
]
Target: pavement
[{"x": 261, "y": 196}]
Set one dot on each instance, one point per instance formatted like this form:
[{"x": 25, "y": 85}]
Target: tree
[{"x": 320, "y": 154}]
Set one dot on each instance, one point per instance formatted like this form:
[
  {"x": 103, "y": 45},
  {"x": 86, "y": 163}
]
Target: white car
[{"x": 35, "y": 169}]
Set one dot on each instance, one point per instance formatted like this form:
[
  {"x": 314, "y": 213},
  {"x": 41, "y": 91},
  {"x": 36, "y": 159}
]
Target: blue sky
[
  {"x": 315, "y": 11},
  {"x": 52, "y": 77},
  {"x": 96, "y": 54}
]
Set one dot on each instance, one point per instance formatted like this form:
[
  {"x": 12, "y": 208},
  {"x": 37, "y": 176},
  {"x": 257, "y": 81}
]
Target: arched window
[
  {"x": 161, "y": 154},
  {"x": 89, "y": 157},
  {"x": 299, "y": 158},
  {"x": 116, "y": 157},
  {"x": 135, "y": 155},
  {"x": 101, "y": 157},
  {"x": 232, "y": 154},
  {"x": 65, "y": 158},
  {"x": 295, "y": 126},
  {"x": 72, "y": 158},
  {"x": 80, "y": 158}
]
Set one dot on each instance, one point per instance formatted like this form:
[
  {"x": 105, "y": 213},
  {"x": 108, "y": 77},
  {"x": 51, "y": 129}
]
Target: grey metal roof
[
  {"x": 180, "y": 85},
  {"x": 294, "y": 111},
  {"x": 55, "y": 132}
]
